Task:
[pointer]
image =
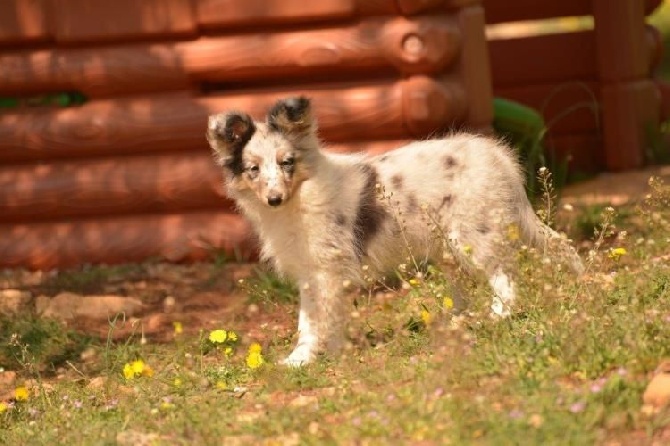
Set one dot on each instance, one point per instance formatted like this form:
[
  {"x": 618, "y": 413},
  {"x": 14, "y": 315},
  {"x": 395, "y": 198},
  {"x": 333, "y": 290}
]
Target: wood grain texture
[
  {"x": 425, "y": 45},
  {"x": 165, "y": 183},
  {"x": 94, "y": 20},
  {"x": 174, "y": 238},
  {"x": 177, "y": 121},
  {"x": 142, "y": 184},
  {"x": 23, "y": 21}
]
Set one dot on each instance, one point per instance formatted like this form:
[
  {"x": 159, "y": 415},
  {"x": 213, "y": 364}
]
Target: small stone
[
  {"x": 253, "y": 309},
  {"x": 61, "y": 307},
  {"x": 13, "y": 301},
  {"x": 309, "y": 402},
  {"x": 97, "y": 383},
  {"x": 313, "y": 428},
  {"x": 106, "y": 307},
  {"x": 169, "y": 304},
  {"x": 657, "y": 393}
]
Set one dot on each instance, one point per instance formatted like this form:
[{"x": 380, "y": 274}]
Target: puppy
[{"x": 321, "y": 217}]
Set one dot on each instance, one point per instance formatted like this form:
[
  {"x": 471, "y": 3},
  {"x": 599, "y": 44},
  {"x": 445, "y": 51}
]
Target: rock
[
  {"x": 69, "y": 306},
  {"x": 97, "y": 383},
  {"x": 657, "y": 393},
  {"x": 13, "y": 301},
  {"x": 309, "y": 402},
  {"x": 106, "y": 307},
  {"x": 61, "y": 307}
]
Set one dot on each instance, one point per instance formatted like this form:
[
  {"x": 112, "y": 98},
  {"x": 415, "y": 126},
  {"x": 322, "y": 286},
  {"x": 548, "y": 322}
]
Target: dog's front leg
[{"x": 321, "y": 319}]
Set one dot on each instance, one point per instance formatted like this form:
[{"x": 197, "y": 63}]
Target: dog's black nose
[{"x": 274, "y": 200}]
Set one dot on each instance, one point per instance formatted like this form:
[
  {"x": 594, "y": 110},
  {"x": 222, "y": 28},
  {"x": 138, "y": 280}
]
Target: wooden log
[
  {"x": 630, "y": 111},
  {"x": 261, "y": 13},
  {"x": 500, "y": 11},
  {"x": 567, "y": 107},
  {"x": 176, "y": 121},
  {"x": 175, "y": 238},
  {"x": 563, "y": 57},
  {"x": 425, "y": 45},
  {"x": 119, "y": 185},
  {"x": 23, "y": 21},
  {"x": 95, "y": 20},
  {"x": 165, "y": 183}
]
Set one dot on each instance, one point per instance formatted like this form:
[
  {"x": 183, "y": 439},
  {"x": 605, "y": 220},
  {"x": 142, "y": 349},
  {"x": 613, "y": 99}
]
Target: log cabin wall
[{"x": 128, "y": 175}]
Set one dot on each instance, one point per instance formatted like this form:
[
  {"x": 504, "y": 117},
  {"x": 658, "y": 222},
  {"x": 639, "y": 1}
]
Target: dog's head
[{"x": 270, "y": 158}]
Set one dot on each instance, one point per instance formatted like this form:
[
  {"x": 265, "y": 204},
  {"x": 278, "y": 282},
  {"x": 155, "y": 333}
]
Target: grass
[{"x": 569, "y": 367}]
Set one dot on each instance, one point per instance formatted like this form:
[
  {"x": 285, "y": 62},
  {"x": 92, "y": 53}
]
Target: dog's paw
[
  {"x": 301, "y": 356},
  {"x": 499, "y": 309}
]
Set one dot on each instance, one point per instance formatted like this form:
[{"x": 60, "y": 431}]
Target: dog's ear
[
  {"x": 292, "y": 117},
  {"x": 228, "y": 133}
]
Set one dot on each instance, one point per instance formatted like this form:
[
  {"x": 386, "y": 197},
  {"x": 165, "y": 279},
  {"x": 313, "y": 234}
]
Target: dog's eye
[
  {"x": 288, "y": 162},
  {"x": 253, "y": 171}
]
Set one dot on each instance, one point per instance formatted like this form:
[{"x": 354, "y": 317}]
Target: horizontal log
[
  {"x": 175, "y": 238},
  {"x": 553, "y": 58},
  {"x": 95, "y": 20},
  {"x": 567, "y": 107},
  {"x": 148, "y": 184},
  {"x": 23, "y": 21},
  {"x": 500, "y": 11},
  {"x": 424, "y": 45},
  {"x": 169, "y": 183},
  {"x": 387, "y": 110},
  {"x": 257, "y": 13}
]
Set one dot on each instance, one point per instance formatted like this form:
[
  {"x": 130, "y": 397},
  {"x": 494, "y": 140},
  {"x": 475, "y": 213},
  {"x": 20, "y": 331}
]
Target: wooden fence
[{"x": 128, "y": 176}]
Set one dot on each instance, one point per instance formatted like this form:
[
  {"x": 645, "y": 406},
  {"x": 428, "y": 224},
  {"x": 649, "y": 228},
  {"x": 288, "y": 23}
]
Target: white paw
[
  {"x": 302, "y": 355},
  {"x": 499, "y": 308}
]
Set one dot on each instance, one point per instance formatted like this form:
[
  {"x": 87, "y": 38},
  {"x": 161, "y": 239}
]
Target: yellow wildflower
[
  {"x": 177, "y": 382},
  {"x": 228, "y": 351},
  {"x": 616, "y": 253},
  {"x": 467, "y": 249},
  {"x": 232, "y": 336},
  {"x": 448, "y": 302},
  {"x": 21, "y": 394},
  {"x": 128, "y": 372},
  {"x": 414, "y": 282},
  {"x": 3, "y": 407},
  {"x": 426, "y": 317},
  {"x": 255, "y": 358},
  {"x": 221, "y": 385},
  {"x": 166, "y": 405},
  {"x": 217, "y": 336},
  {"x": 178, "y": 328},
  {"x": 136, "y": 369}
]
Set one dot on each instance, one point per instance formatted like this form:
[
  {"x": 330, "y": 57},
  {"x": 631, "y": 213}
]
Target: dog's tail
[{"x": 537, "y": 234}]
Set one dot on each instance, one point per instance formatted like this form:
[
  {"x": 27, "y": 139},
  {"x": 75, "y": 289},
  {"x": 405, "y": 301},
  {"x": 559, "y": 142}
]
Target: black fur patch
[
  {"x": 291, "y": 110},
  {"x": 383, "y": 158},
  {"x": 370, "y": 215},
  {"x": 237, "y": 131},
  {"x": 397, "y": 181},
  {"x": 483, "y": 228},
  {"x": 446, "y": 201},
  {"x": 449, "y": 162},
  {"x": 340, "y": 219}
]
